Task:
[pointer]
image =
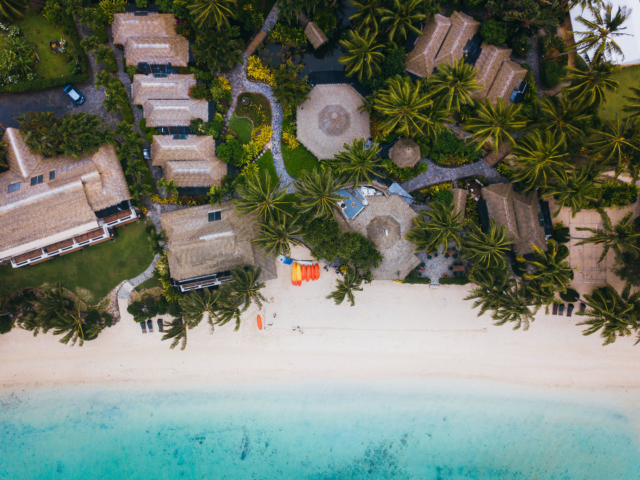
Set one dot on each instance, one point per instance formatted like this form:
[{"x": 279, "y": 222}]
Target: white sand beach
[{"x": 395, "y": 331}]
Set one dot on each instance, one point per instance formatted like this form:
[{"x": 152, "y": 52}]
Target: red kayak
[{"x": 259, "y": 322}]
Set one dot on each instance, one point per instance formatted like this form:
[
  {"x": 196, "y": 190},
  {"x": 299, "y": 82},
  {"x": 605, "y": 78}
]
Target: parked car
[
  {"x": 146, "y": 154},
  {"x": 74, "y": 94}
]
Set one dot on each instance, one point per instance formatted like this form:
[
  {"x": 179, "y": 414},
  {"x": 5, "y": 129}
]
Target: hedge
[
  {"x": 454, "y": 281},
  {"x": 414, "y": 278}
]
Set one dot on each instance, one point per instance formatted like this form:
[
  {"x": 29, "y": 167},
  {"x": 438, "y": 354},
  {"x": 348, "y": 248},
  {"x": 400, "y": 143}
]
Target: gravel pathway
[{"x": 436, "y": 174}]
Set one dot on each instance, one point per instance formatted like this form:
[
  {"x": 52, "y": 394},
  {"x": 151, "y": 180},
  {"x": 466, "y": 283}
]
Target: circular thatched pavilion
[
  {"x": 330, "y": 118},
  {"x": 405, "y": 153}
]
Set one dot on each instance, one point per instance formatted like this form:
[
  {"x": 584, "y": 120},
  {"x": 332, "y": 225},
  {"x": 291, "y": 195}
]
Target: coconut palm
[
  {"x": 442, "y": 228},
  {"x": 541, "y": 156},
  {"x": 364, "y": 54},
  {"x": 632, "y": 107},
  {"x": 514, "y": 307},
  {"x": 73, "y": 327},
  {"x": 487, "y": 250},
  {"x": 591, "y": 85},
  {"x": 195, "y": 305},
  {"x": 622, "y": 235},
  {"x": 405, "y": 109},
  {"x": 358, "y": 163},
  {"x": 563, "y": 116},
  {"x": 227, "y": 309},
  {"x": 495, "y": 123},
  {"x": 48, "y": 307},
  {"x": 244, "y": 286},
  {"x": 401, "y": 19},
  {"x": 617, "y": 145},
  {"x": 491, "y": 285},
  {"x": 176, "y": 332},
  {"x": 552, "y": 269},
  {"x": 453, "y": 84},
  {"x": 289, "y": 89},
  {"x": 316, "y": 192},
  {"x": 369, "y": 11},
  {"x": 212, "y": 13},
  {"x": 573, "y": 189},
  {"x": 600, "y": 34},
  {"x": 277, "y": 232},
  {"x": 11, "y": 10},
  {"x": 138, "y": 188},
  {"x": 345, "y": 288},
  {"x": 170, "y": 187},
  {"x": 616, "y": 315},
  {"x": 260, "y": 195}
]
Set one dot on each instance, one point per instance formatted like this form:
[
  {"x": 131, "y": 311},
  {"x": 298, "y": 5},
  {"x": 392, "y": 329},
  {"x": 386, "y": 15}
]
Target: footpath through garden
[{"x": 436, "y": 174}]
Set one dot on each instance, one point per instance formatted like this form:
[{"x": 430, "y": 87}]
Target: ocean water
[{"x": 391, "y": 430}]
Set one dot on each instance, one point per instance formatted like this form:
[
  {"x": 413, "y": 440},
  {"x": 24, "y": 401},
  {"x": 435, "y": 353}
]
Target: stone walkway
[
  {"x": 128, "y": 286},
  {"x": 436, "y": 174}
]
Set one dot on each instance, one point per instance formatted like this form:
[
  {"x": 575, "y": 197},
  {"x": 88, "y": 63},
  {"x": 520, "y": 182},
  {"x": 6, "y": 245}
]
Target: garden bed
[{"x": 258, "y": 110}]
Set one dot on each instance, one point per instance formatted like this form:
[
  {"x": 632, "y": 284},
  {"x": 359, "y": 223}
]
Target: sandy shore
[{"x": 394, "y": 331}]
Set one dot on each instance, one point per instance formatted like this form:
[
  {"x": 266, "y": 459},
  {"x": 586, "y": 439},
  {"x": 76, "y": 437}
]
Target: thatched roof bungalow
[
  {"x": 463, "y": 28},
  {"x": 459, "y": 200},
  {"x": 487, "y": 67},
  {"x": 205, "y": 243},
  {"x": 171, "y": 87},
  {"x": 129, "y": 25},
  {"x": 330, "y": 118},
  {"x": 509, "y": 77},
  {"x": 421, "y": 59},
  {"x": 405, "y": 153},
  {"x": 315, "y": 35},
  {"x": 174, "y": 113},
  {"x": 173, "y": 50}
]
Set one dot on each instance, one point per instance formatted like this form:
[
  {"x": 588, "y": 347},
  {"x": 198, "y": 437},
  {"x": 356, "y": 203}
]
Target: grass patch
[
  {"x": 95, "y": 271},
  {"x": 290, "y": 199},
  {"x": 147, "y": 284},
  {"x": 299, "y": 159},
  {"x": 626, "y": 77},
  {"x": 250, "y": 111},
  {"x": 51, "y": 65},
  {"x": 242, "y": 126},
  {"x": 265, "y": 164}
]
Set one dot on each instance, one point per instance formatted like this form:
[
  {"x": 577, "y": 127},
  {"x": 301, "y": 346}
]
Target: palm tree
[
  {"x": 442, "y": 228},
  {"x": 491, "y": 285},
  {"x": 11, "y": 10},
  {"x": 345, "y": 288},
  {"x": 495, "y": 123},
  {"x": 616, "y": 144},
  {"x": 357, "y": 162},
  {"x": 405, "y": 109},
  {"x": 633, "y": 103},
  {"x": 601, "y": 32},
  {"x": 540, "y": 157},
  {"x": 195, "y": 305},
  {"x": 452, "y": 85},
  {"x": 48, "y": 307},
  {"x": 369, "y": 11},
  {"x": 227, "y": 309},
  {"x": 563, "y": 116},
  {"x": 590, "y": 86},
  {"x": 289, "y": 89},
  {"x": 102, "y": 53},
  {"x": 573, "y": 189},
  {"x": 214, "y": 13},
  {"x": 552, "y": 268},
  {"x": 316, "y": 192},
  {"x": 277, "y": 232},
  {"x": 514, "y": 307},
  {"x": 405, "y": 13},
  {"x": 364, "y": 54},
  {"x": 137, "y": 189},
  {"x": 245, "y": 287},
  {"x": 616, "y": 315},
  {"x": 621, "y": 236},
  {"x": 487, "y": 250},
  {"x": 74, "y": 328},
  {"x": 260, "y": 195},
  {"x": 177, "y": 332}
]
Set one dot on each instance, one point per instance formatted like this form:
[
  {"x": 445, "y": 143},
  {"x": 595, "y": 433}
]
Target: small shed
[
  {"x": 405, "y": 153},
  {"x": 315, "y": 35}
]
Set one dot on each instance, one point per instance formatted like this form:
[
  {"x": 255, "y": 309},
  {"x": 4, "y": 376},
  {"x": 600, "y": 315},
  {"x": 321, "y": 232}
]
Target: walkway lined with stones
[
  {"x": 128, "y": 286},
  {"x": 436, "y": 174}
]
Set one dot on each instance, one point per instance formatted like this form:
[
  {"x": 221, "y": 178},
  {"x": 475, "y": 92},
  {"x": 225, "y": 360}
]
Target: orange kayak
[
  {"x": 259, "y": 322},
  {"x": 307, "y": 273},
  {"x": 317, "y": 271}
]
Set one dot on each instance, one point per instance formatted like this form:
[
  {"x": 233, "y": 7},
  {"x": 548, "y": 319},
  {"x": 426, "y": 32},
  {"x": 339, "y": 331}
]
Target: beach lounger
[
  {"x": 150, "y": 325},
  {"x": 160, "y": 325},
  {"x": 144, "y": 327},
  {"x": 555, "y": 309},
  {"x": 561, "y": 309},
  {"x": 569, "y": 309},
  {"x": 583, "y": 306}
]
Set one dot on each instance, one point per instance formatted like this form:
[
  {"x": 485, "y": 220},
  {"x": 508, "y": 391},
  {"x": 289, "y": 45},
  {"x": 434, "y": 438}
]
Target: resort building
[
  {"x": 189, "y": 160},
  {"x": 459, "y": 200},
  {"x": 134, "y": 25},
  {"x": 51, "y": 206},
  {"x": 487, "y": 66},
  {"x": 171, "y": 87},
  {"x": 171, "y": 51},
  {"x": 507, "y": 83},
  {"x": 462, "y": 30},
  {"x": 315, "y": 35},
  {"x": 205, "y": 243},
  {"x": 526, "y": 218},
  {"x": 174, "y": 113},
  {"x": 422, "y": 59},
  {"x": 330, "y": 118}
]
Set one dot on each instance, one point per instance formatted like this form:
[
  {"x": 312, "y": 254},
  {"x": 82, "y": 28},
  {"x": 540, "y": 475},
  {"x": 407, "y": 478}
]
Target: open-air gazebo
[{"x": 405, "y": 153}]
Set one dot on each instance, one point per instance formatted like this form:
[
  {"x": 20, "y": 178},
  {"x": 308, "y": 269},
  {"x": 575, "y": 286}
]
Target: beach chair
[
  {"x": 150, "y": 325},
  {"x": 583, "y": 306},
  {"x": 569, "y": 309},
  {"x": 561, "y": 309},
  {"x": 555, "y": 309},
  {"x": 144, "y": 327},
  {"x": 160, "y": 325}
]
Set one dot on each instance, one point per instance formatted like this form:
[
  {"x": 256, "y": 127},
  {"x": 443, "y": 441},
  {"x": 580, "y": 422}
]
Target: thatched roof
[
  {"x": 190, "y": 162},
  {"x": 174, "y": 113},
  {"x": 189, "y": 173},
  {"x": 518, "y": 212},
  {"x": 509, "y": 77},
  {"x": 128, "y": 25},
  {"x": 315, "y": 35},
  {"x": 198, "y": 247},
  {"x": 487, "y": 66},
  {"x": 493, "y": 158},
  {"x": 405, "y": 153},
  {"x": 463, "y": 28},
  {"x": 173, "y": 50},
  {"x": 385, "y": 221},
  {"x": 194, "y": 147},
  {"x": 421, "y": 59},
  {"x": 330, "y": 118},
  {"x": 459, "y": 199},
  {"x": 59, "y": 207},
  {"x": 171, "y": 87}
]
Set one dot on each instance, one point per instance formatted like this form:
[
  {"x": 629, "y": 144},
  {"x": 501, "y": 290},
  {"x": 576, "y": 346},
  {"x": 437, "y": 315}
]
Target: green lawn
[
  {"x": 51, "y": 64},
  {"x": 94, "y": 271},
  {"x": 627, "y": 77},
  {"x": 250, "y": 112},
  {"x": 242, "y": 126},
  {"x": 299, "y": 159},
  {"x": 151, "y": 283},
  {"x": 265, "y": 164}
]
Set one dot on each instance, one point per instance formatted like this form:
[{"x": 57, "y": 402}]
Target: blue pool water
[{"x": 313, "y": 431}]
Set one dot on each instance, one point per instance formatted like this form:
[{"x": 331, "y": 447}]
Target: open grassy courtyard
[
  {"x": 627, "y": 77},
  {"x": 242, "y": 126},
  {"x": 92, "y": 272}
]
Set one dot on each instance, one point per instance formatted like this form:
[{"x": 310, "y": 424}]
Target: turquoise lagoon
[{"x": 391, "y": 430}]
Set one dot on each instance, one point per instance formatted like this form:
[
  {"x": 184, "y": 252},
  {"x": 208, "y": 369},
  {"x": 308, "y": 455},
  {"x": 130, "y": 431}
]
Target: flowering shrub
[
  {"x": 11, "y": 31},
  {"x": 251, "y": 151},
  {"x": 17, "y": 58},
  {"x": 258, "y": 71},
  {"x": 261, "y": 135},
  {"x": 290, "y": 140},
  {"x": 441, "y": 192},
  {"x": 221, "y": 93}
]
